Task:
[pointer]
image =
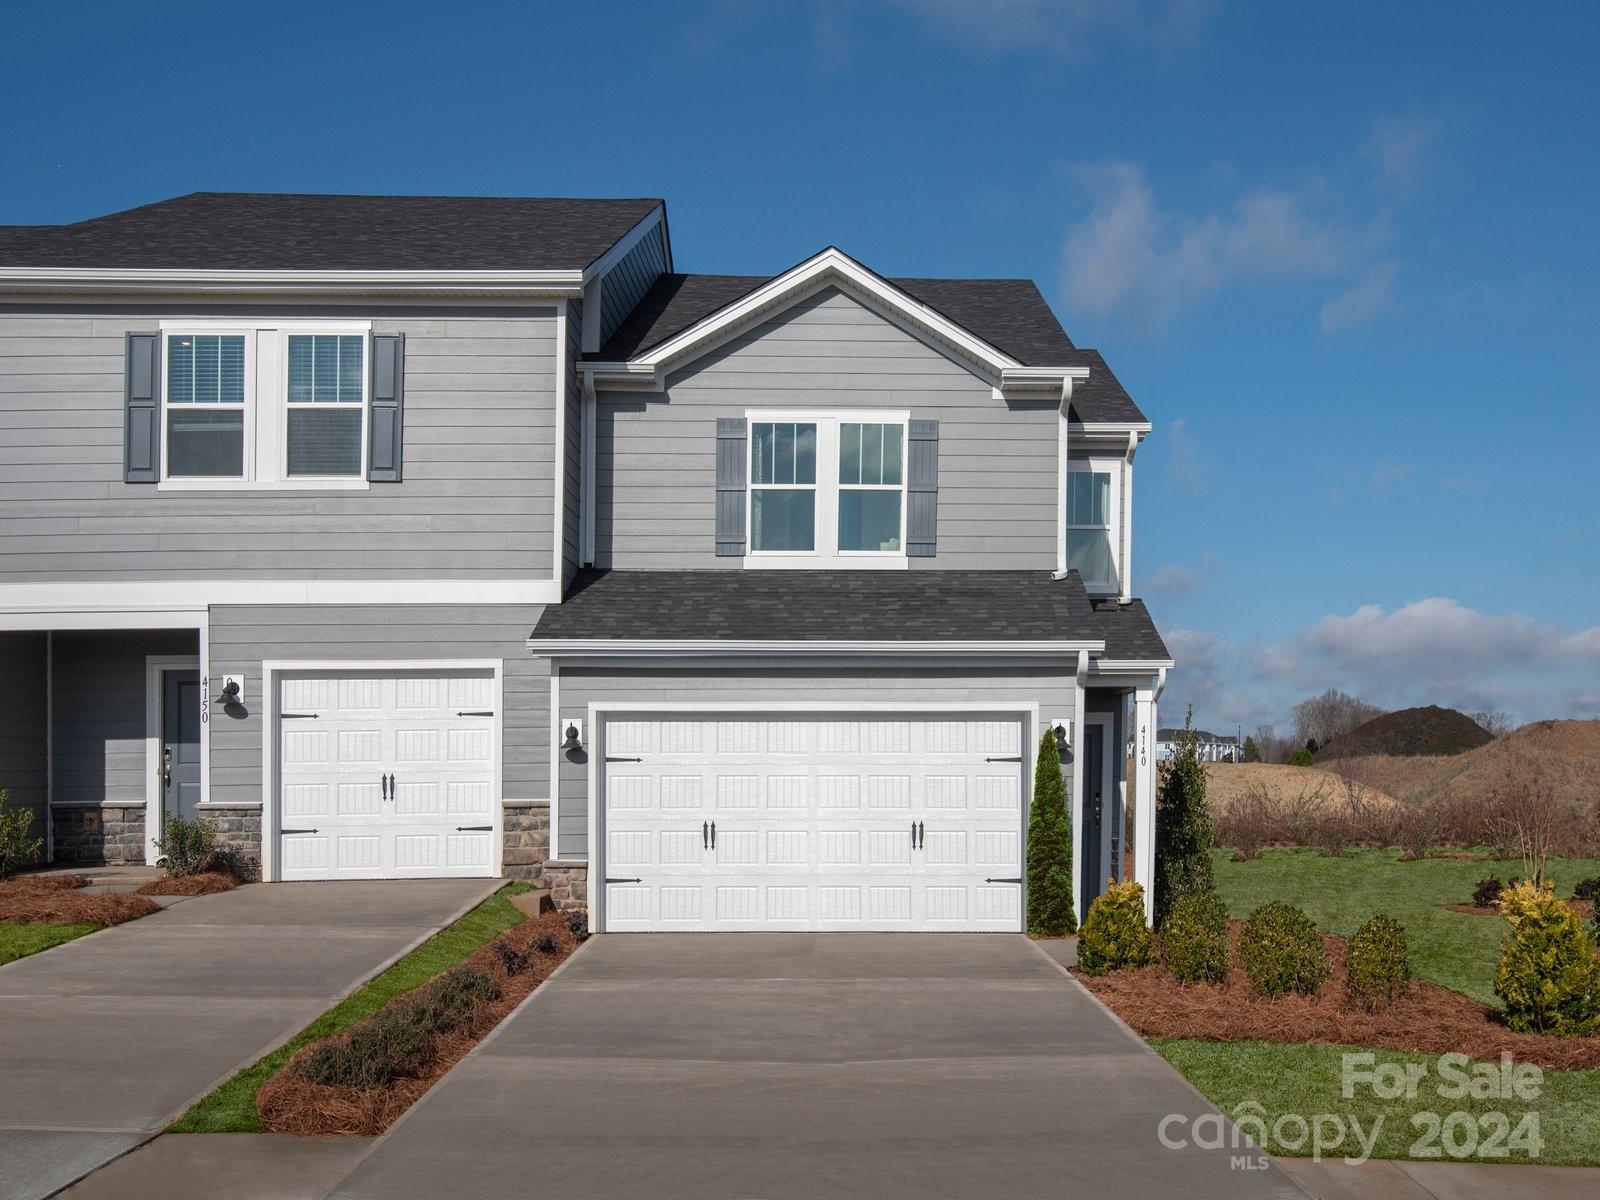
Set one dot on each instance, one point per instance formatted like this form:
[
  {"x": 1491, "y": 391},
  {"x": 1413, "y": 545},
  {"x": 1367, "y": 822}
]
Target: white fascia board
[
  {"x": 624, "y": 245},
  {"x": 20, "y": 600},
  {"x": 112, "y": 280},
  {"x": 687, "y": 648},
  {"x": 1109, "y": 428},
  {"x": 1048, "y": 381},
  {"x": 1132, "y": 666},
  {"x": 829, "y": 266}
]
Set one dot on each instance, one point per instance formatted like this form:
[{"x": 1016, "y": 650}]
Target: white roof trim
[
  {"x": 1108, "y": 427},
  {"x": 681, "y": 648},
  {"x": 114, "y": 280},
  {"x": 1122, "y": 666},
  {"x": 621, "y": 248},
  {"x": 832, "y": 266}
]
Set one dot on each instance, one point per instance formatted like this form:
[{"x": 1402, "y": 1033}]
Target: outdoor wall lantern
[
  {"x": 572, "y": 735},
  {"x": 1062, "y": 728},
  {"x": 232, "y": 690}
]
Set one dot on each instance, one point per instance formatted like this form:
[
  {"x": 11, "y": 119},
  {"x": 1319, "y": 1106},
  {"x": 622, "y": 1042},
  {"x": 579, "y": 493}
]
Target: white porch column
[
  {"x": 1144, "y": 796},
  {"x": 1075, "y": 808}
]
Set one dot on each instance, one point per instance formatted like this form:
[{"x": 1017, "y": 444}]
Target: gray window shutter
[
  {"x": 141, "y": 423},
  {"x": 922, "y": 489},
  {"x": 384, "y": 464},
  {"x": 731, "y": 490}
]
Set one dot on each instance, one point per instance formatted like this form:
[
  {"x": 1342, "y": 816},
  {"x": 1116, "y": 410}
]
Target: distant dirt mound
[
  {"x": 1287, "y": 787},
  {"x": 1412, "y": 732}
]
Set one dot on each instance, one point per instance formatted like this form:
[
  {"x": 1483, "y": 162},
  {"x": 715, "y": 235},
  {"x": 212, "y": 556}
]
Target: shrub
[
  {"x": 1587, "y": 889},
  {"x": 1050, "y": 911},
  {"x": 1114, "y": 934},
  {"x": 1549, "y": 973},
  {"x": 229, "y": 861},
  {"x": 1300, "y": 758},
  {"x": 17, "y": 849},
  {"x": 1378, "y": 971},
  {"x": 1183, "y": 826},
  {"x": 184, "y": 845},
  {"x": 1487, "y": 893},
  {"x": 1194, "y": 939},
  {"x": 1282, "y": 952},
  {"x": 512, "y": 961},
  {"x": 452, "y": 1000},
  {"x": 577, "y": 923},
  {"x": 546, "y": 943}
]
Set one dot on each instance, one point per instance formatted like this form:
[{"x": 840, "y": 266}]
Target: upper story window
[
  {"x": 825, "y": 487},
  {"x": 1091, "y": 546},
  {"x": 262, "y": 407}
]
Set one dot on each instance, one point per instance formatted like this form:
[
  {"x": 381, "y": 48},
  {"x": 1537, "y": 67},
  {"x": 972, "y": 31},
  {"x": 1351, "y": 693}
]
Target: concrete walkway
[
  {"x": 1338, "y": 1180},
  {"x": 790, "y": 1065},
  {"x": 109, "y": 1037}
]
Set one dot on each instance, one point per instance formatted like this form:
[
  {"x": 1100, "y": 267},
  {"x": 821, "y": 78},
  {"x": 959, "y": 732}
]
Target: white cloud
[
  {"x": 1399, "y": 146},
  {"x": 1190, "y": 463},
  {"x": 1172, "y": 581},
  {"x": 1057, "y": 26},
  {"x": 1432, "y": 651},
  {"x": 1369, "y": 297}
]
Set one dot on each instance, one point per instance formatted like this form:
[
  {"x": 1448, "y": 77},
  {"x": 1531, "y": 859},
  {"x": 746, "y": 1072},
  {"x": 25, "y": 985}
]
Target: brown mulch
[
  {"x": 206, "y": 883},
  {"x": 57, "y": 898},
  {"x": 1584, "y": 909},
  {"x": 289, "y": 1103},
  {"x": 1429, "y": 1019}
]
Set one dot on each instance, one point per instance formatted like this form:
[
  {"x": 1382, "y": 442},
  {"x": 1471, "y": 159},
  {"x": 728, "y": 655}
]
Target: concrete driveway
[
  {"x": 790, "y": 1065},
  {"x": 106, "y": 1039}
]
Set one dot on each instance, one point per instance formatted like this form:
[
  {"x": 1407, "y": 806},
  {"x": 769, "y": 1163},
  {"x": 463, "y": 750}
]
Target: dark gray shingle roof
[
  {"x": 1129, "y": 632},
  {"x": 1009, "y": 314},
  {"x": 822, "y": 606},
  {"x": 272, "y": 231}
]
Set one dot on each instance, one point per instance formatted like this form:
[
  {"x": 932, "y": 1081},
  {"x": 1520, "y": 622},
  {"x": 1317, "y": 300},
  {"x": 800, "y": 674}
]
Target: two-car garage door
[
  {"x": 838, "y": 822},
  {"x": 386, "y": 774}
]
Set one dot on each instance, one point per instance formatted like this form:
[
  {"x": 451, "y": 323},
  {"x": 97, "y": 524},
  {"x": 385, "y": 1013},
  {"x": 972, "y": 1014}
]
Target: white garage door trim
[
  {"x": 1027, "y": 714},
  {"x": 271, "y": 672}
]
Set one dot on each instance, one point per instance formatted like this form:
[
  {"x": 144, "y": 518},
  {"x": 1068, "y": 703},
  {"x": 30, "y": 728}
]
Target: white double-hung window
[
  {"x": 827, "y": 489},
  {"x": 252, "y": 405},
  {"x": 1091, "y": 548}
]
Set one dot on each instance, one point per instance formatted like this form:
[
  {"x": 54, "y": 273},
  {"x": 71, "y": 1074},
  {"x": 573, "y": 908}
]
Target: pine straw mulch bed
[
  {"x": 289, "y": 1103},
  {"x": 57, "y": 899},
  {"x": 203, "y": 883},
  {"x": 1584, "y": 909},
  {"x": 1429, "y": 1019}
]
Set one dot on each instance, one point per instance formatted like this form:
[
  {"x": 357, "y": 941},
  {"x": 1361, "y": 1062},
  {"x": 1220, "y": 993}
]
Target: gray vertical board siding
[
  {"x": 476, "y": 502},
  {"x": 627, "y": 282},
  {"x": 243, "y": 637},
  {"x": 655, "y": 480},
  {"x": 572, "y": 397},
  {"x": 1052, "y": 690},
  {"x": 99, "y": 720},
  {"x": 23, "y": 734}
]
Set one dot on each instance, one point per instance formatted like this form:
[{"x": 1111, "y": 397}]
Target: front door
[
  {"x": 1094, "y": 799},
  {"x": 180, "y": 742}
]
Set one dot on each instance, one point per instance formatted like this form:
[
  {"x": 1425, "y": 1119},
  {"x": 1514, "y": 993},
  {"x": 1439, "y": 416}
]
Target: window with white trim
[
  {"x": 1091, "y": 521},
  {"x": 262, "y": 407},
  {"x": 826, "y": 487}
]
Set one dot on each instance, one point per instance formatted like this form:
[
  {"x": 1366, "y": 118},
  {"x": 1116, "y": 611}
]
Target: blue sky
[{"x": 1343, "y": 255}]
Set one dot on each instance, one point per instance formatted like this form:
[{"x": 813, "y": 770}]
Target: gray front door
[
  {"x": 1094, "y": 758},
  {"x": 180, "y": 742}
]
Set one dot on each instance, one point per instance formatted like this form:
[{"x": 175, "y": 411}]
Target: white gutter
[{"x": 682, "y": 648}]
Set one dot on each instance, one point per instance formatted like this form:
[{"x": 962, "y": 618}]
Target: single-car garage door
[
  {"x": 796, "y": 822},
  {"x": 386, "y": 774}
]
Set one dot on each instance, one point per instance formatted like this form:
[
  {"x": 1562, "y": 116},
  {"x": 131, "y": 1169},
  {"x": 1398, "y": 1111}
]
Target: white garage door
[
  {"x": 386, "y": 775},
  {"x": 833, "y": 822}
]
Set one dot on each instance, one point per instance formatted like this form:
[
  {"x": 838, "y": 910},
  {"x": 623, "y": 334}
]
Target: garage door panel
[
  {"x": 356, "y": 799},
  {"x": 821, "y": 823}
]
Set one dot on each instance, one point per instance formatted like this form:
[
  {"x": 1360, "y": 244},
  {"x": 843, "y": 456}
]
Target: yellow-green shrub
[
  {"x": 1549, "y": 974},
  {"x": 1114, "y": 934}
]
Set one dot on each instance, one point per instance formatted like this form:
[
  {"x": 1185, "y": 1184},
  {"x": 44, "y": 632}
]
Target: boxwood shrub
[
  {"x": 1282, "y": 952},
  {"x": 1114, "y": 935},
  {"x": 1378, "y": 971},
  {"x": 1194, "y": 939}
]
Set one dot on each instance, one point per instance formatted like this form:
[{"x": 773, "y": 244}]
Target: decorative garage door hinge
[
  {"x": 297, "y": 831},
  {"x": 612, "y": 879},
  {"x": 478, "y": 712},
  {"x": 609, "y": 758},
  {"x": 993, "y": 880},
  {"x": 297, "y": 716},
  {"x": 474, "y": 828},
  {"x": 1014, "y": 758}
]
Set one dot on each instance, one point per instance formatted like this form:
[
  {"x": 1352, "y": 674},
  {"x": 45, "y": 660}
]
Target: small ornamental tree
[
  {"x": 1050, "y": 911},
  {"x": 1252, "y": 751},
  {"x": 1183, "y": 825}
]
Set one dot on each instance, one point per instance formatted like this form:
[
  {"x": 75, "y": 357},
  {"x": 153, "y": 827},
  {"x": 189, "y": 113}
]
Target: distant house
[{"x": 1211, "y": 747}]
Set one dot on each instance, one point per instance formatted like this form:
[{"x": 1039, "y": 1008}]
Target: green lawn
[
  {"x": 20, "y": 939},
  {"x": 1307, "y": 1081},
  {"x": 231, "y": 1107},
  {"x": 1455, "y": 950}
]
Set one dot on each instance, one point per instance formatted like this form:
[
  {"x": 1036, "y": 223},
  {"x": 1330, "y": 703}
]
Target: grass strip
[
  {"x": 1306, "y": 1081},
  {"x": 18, "y": 939},
  {"x": 231, "y": 1107}
]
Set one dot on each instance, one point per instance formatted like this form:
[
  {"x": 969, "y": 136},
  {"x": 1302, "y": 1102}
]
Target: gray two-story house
[{"x": 421, "y": 536}]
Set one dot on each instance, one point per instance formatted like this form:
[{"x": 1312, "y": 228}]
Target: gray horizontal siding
[
  {"x": 99, "y": 712},
  {"x": 1052, "y": 690},
  {"x": 22, "y": 724},
  {"x": 477, "y": 500},
  {"x": 655, "y": 480},
  {"x": 627, "y": 282},
  {"x": 244, "y": 637}
]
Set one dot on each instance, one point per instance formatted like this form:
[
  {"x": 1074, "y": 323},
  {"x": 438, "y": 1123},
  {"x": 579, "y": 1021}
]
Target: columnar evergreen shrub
[
  {"x": 1282, "y": 952},
  {"x": 1183, "y": 825},
  {"x": 1050, "y": 912},
  {"x": 1194, "y": 939},
  {"x": 1378, "y": 970},
  {"x": 1549, "y": 974},
  {"x": 1114, "y": 934},
  {"x": 17, "y": 849}
]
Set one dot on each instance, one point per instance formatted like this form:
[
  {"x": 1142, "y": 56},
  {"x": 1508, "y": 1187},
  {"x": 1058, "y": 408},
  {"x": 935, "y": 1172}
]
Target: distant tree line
[{"x": 1318, "y": 720}]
